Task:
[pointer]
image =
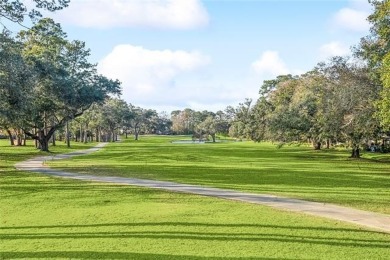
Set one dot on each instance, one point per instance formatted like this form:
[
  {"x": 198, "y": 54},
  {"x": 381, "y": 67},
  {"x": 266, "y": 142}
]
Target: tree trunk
[
  {"x": 67, "y": 135},
  {"x": 317, "y": 146},
  {"x": 355, "y": 151},
  {"x": 44, "y": 145},
  {"x": 86, "y": 135},
  {"x": 213, "y": 137},
  {"x": 81, "y": 133},
  {"x": 97, "y": 134},
  {"x": 136, "y": 131},
  {"x": 43, "y": 141},
  {"x": 327, "y": 143},
  {"x": 53, "y": 139},
  {"x": 18, "y": 140},
  {"x": 18, "y": 136},
  {"x": 24, "y": 138},
  {"x": 11, "y": 139},
  {"x": 35, "y": 140},
  {"x": 42, "y": 136}
]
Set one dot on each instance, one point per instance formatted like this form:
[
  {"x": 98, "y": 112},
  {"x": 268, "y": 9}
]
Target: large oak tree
[{"x": 66, "y": 83}]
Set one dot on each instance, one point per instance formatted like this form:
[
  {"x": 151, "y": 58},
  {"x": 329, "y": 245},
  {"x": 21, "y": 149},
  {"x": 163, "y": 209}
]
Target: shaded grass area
[
  {"x": 45, "y": 217},
  {"x": 300, "y": 172},
  {"x": 9, "y": 155}
]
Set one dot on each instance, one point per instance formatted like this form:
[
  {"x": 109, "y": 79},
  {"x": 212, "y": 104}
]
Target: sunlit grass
[
  {"x": 44, "y": 217},
  {"x": 326, "y": 176}
]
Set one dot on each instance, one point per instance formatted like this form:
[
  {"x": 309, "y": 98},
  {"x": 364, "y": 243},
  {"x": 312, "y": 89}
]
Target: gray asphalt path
[{"x": 371, "y": 220}]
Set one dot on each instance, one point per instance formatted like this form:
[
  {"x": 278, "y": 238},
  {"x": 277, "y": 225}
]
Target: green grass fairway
[
  {"x": 300, "y": 172},
  {"x": 44, "y": 217}
]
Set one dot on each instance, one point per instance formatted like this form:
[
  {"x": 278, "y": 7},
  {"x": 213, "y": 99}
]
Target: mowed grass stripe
[
  {"x": 44, "y": 217},
  {"x": 299, "y": 172}
]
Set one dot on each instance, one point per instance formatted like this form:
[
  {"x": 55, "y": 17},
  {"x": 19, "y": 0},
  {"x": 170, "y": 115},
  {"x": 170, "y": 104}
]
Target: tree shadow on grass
[
  {"x": 113, "y": 255},
  {"x": 193, "y": 224},
  {"x": 301, "y": 236},
  {"x": 206, "y": 236},
  {"x": 188, "y": 224}
]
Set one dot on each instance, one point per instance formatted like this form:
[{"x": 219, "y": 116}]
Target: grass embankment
[
  {"x": 325, "y": 176},
  {"x": 44, "y": 217}
]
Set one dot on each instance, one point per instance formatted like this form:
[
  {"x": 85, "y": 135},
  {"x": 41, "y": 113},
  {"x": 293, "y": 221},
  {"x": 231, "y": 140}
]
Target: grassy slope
[
  {"x": 43, "y": 217},
  {"x": 327, "y": 176}
]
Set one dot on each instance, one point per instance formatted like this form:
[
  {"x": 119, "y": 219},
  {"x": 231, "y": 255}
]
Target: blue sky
[{"x": 174, "y": 54}]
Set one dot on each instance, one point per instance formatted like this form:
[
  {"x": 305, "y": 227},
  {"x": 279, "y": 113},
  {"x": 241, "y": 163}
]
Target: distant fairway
[
  {"x": 301, "y": 172},
  {"x": 45, "y": 217}
]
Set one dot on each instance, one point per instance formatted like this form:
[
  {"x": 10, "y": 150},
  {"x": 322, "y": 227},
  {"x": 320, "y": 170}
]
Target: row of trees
[
  {"x": 116, "y": 116},
  {"x": 103, "y": 122},
  {"x": 335, "y": 102},
  {"x": 200, "y": 124},
  {"x": 344, "y": 100}
]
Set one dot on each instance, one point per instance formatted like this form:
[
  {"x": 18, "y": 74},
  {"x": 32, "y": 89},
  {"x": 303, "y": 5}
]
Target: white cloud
[
  {"x": 362, "y": 5},
  {"x": 149, "y": 77},
  {"x": 354, "y": 17},
  {"x": 167, "y": 80},
  {"x": 333, "y": 49},
  {"x": 270, "y": 64},
  {"x": 172, "y": 14}
]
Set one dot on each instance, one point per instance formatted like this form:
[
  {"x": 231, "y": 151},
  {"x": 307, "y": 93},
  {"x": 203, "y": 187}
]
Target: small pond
[
  {"x": 188, "y": 142},
  {"x": 200, "y": 142}
]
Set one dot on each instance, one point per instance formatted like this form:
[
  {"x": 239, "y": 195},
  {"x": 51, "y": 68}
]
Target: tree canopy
[
  {"x": 47, "y": 80},
  {"x": 16, "y": 11}
]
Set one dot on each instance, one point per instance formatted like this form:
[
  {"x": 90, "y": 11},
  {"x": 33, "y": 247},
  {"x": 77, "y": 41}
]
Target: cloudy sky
[{"x": 174, "y": 54}]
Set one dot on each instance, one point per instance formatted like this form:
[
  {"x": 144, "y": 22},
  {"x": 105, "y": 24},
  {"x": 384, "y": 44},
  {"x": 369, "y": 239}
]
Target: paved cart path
[{"x": 375, "y": 221}]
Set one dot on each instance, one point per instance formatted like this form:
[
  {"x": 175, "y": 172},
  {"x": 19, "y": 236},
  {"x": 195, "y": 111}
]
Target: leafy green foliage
[
  {"x": 62, "y": 84},
  {"x": 375, "y": 46},
  {"x": 242, "y": 121},
  {"x": 207, "y": 127},
  {"x": 16, "y": 10},
  {"x": 384, "y": 102},
  {"x": 333, "y": 103},
  {"x": 112, "y": 115},
  {"x": 142, "y": 120},
  {"x": 15, "y": 78}
]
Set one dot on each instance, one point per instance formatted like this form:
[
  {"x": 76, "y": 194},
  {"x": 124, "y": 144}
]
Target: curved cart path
[{"x": 375, "y": 221}]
